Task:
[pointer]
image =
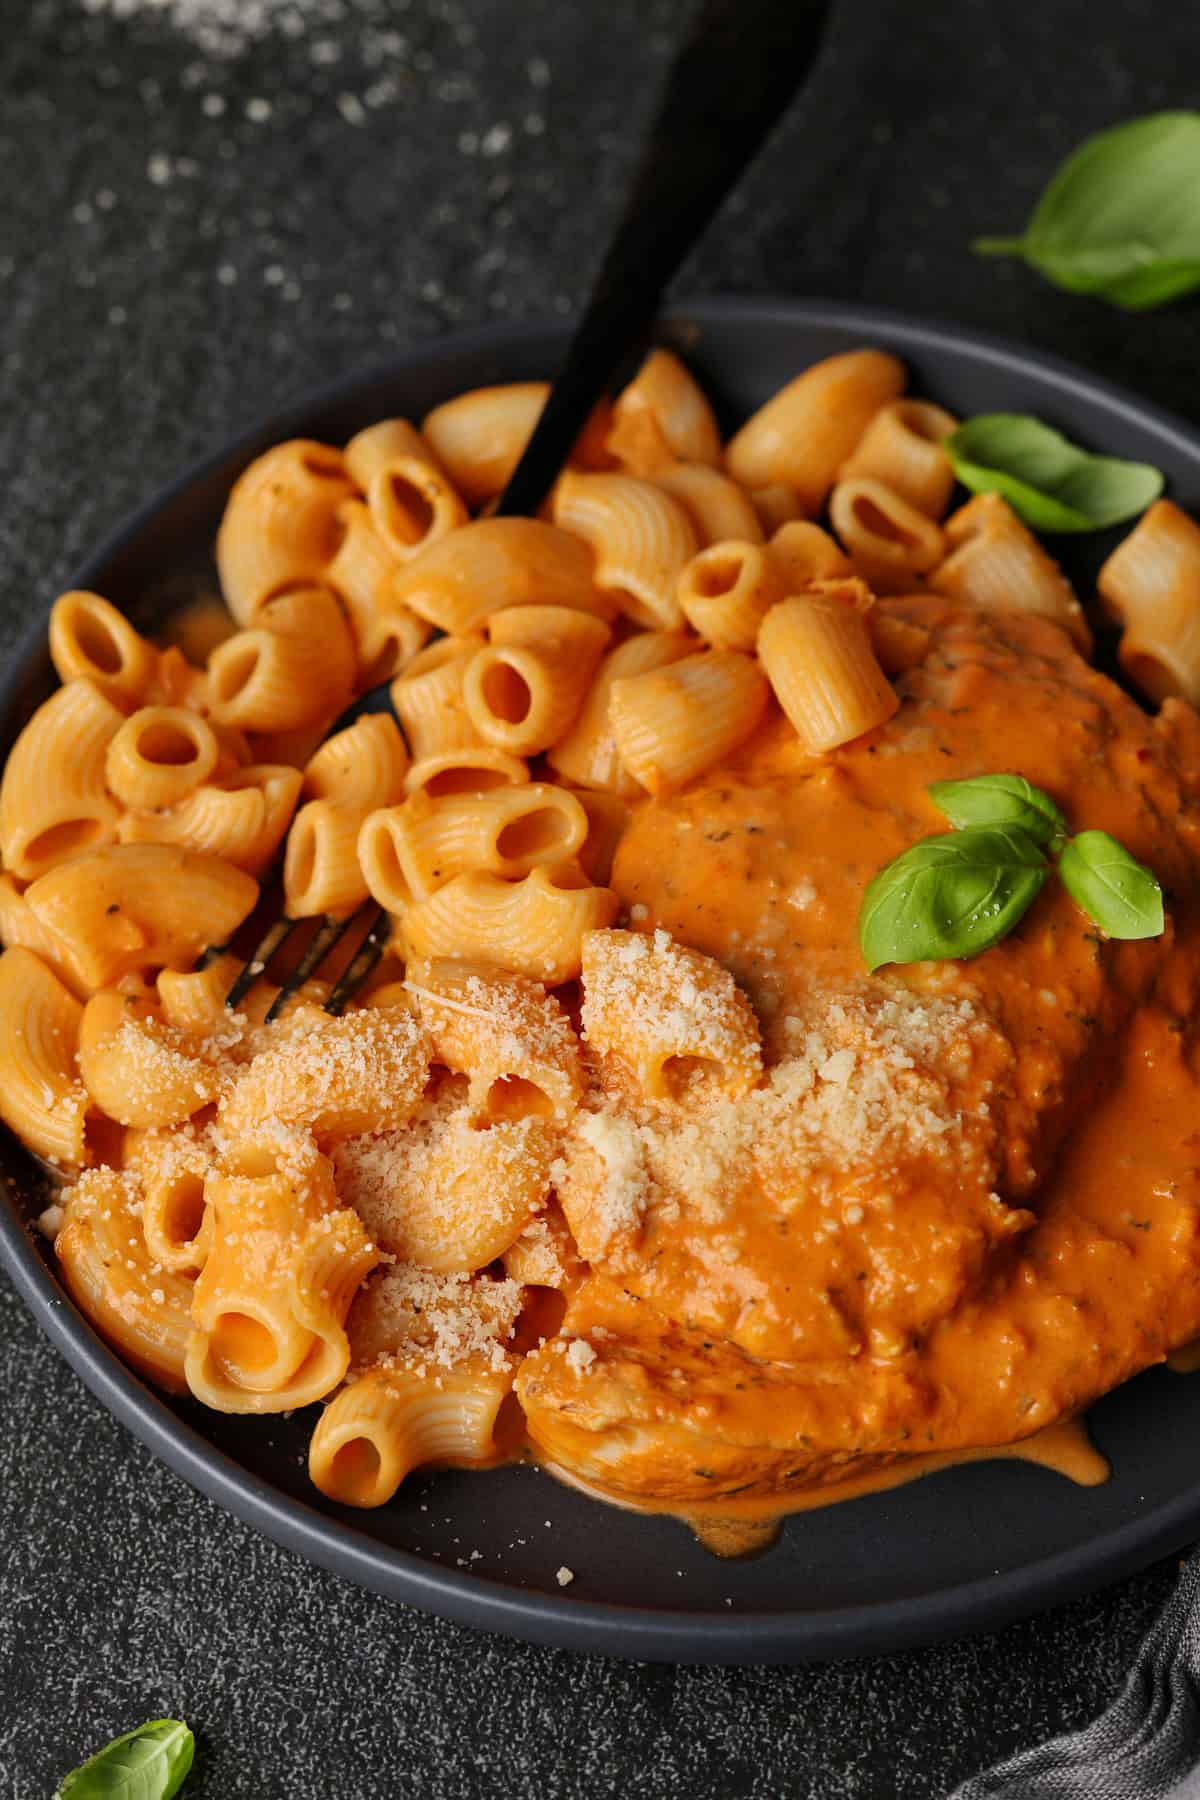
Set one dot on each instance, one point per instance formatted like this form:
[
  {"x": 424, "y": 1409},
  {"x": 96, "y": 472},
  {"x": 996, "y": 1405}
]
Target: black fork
[{"x": 727, "y": 85}]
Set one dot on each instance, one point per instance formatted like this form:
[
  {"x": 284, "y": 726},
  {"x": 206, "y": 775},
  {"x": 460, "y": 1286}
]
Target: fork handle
[{"x": 726, "y": 87}]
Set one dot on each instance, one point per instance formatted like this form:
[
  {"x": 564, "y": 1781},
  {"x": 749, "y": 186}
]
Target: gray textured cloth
[{"x": 1145, "y": 1747}]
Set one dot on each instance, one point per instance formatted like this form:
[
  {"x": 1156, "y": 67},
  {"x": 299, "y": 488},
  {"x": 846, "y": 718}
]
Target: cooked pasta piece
[
  {"x": 138, "y": 1069},
  {"x": 776, "y": 504},
  {"x": 608, "y": 816},
  {"x": 385, "y": 442},
  {"x": 725, "y": 592},
  {"x": 524, "y": 690},
  {"x": 1154, "y": 562},
  {"x": 380, "y": 848},
  {"x": 363, "y": 574},
  {"x": 362, "y": 767},
  {"x": 41, "y": 1097},
  {"x": 1151, "y": 583},
  {"x": 447, "y": 1192},
  {"x": 641, "y": 537},
  {"x": 718, "y": 508},
  {"x": 479, "y": 436},
  {"x": 20, "y": 929},
  {"x": 176, "y": 682},
  {"x": 676, "y": 1017},
  {"x": 467, "y": 771},
  {"x": 428, "y": 698},
  {"x": 662, "y": 417},
  {"x": 353, "y": 773},
  {"x": 280, "y": 527},
  {"x": 295, "y": 665},
  {"x": 902, "y": 448},
  {"x": 801, "y": 553},
  {"x": 891, "y": 543},
  {"x": 141, "y": 1306},
  {"x": 283, "y": 1265},
  {"x": 505, "y": 1033},
  {"x": 805, "y": 432},
  {"x": 54, "y": 800},
  {"x": 996, "y": 563},
  {"x": 294, "y": 746},
  {"x": 440, "y": 1320},
  {"x": 159, "y": 756},
  {"x": 393, "y": 1419},
  {"x": 320, "y": 870},
  {"x": 532, "y": 927},
  {"x": 413, "y": 506},
  {"x": 233, "y": 750},
  {"x": 196, "y": 631},
  {"x": 817, "y": 654},
  {"x": 171, "y": 1167},
  {"x": 243, "y": 820},
  {"x": 899, "y": 642},
  {"x": 194, "y": 999},
  {"x": 545, "y": 1255},
  {"x": 119, "y": 907},
  {"x": 494, "y": 563},
  {"x": 364, "y": 1071},
  {"x": 588, "y": 754},
  {"x": 507, "y": 830},
  {"x": 91, "y": 641},
  {"x": 673, "y": 723}
]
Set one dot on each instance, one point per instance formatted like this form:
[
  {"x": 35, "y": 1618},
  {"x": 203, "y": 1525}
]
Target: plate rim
[{"x": 561, "y": 1621}]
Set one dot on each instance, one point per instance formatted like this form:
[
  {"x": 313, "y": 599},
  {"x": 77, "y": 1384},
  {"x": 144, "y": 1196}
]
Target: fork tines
[{"x": 330, "y": 932}]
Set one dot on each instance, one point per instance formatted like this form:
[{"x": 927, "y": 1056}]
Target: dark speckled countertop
[{"x": 205, "y": 205}]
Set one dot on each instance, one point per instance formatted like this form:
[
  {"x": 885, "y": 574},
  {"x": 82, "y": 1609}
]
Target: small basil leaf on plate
[
  {"x": 999, "y": 800},
  {"x": 1051, "y": 483},
  {"x": 1118, "y": 893},
  {"x": 953, "y": 895},
  {"x": 1121, "y": 218},
  {"x": 148, "y": 1763}
]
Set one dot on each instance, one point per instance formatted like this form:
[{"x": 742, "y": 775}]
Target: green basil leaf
[
  {"x": 148, "y": 1763},
  {"x": 1121, "y": 218},
  {"x": 1118, "y": 893},
  {"x": 1000, "y": 800},
  {"x": 1051, "y": 483},
  {"x": 953, "y": 895}
]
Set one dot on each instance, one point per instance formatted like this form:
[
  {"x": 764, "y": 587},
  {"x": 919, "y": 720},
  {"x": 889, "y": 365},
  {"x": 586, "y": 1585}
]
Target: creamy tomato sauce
[{"x": 967, "y": 1203}]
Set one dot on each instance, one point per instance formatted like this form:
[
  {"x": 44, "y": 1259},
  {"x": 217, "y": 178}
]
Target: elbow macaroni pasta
[
  {"x": 54, "y": 798},
  {"x": 494, "y": 563},
  {"x": 91, "y": 641},
  {"x": 524, "y": 690},
  {"x": 662, "y": 418},
  {"x": 641, "y": 535},
  {"x": 819, "y": 660},
  {"x": 674, "y": 722},
  {"x": 280, "y": 527},
  {"x": 995, "y": 561},
  {"x": 1151, "y": 584},
  {"x": 283, "y": 1265},
  {"x": 806, "y": 431}
]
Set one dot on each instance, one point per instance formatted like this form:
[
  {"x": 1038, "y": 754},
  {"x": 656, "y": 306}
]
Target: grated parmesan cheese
[{"x": 412, "y": 1314}]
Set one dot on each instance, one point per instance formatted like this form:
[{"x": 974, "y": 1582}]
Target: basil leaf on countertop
[
  {"x": 1121, "y": 217},
  {"x": 1051, "y": 483},
  {"x": 953, "y": 895},
  {"x": 1000, "y": 800},
  {"x": 1118, "y": 893},
  {"x": 149, "y": 1763}
]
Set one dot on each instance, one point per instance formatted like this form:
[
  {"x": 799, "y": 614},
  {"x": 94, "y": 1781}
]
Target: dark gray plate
[{"x": 958, "y": 1552}]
